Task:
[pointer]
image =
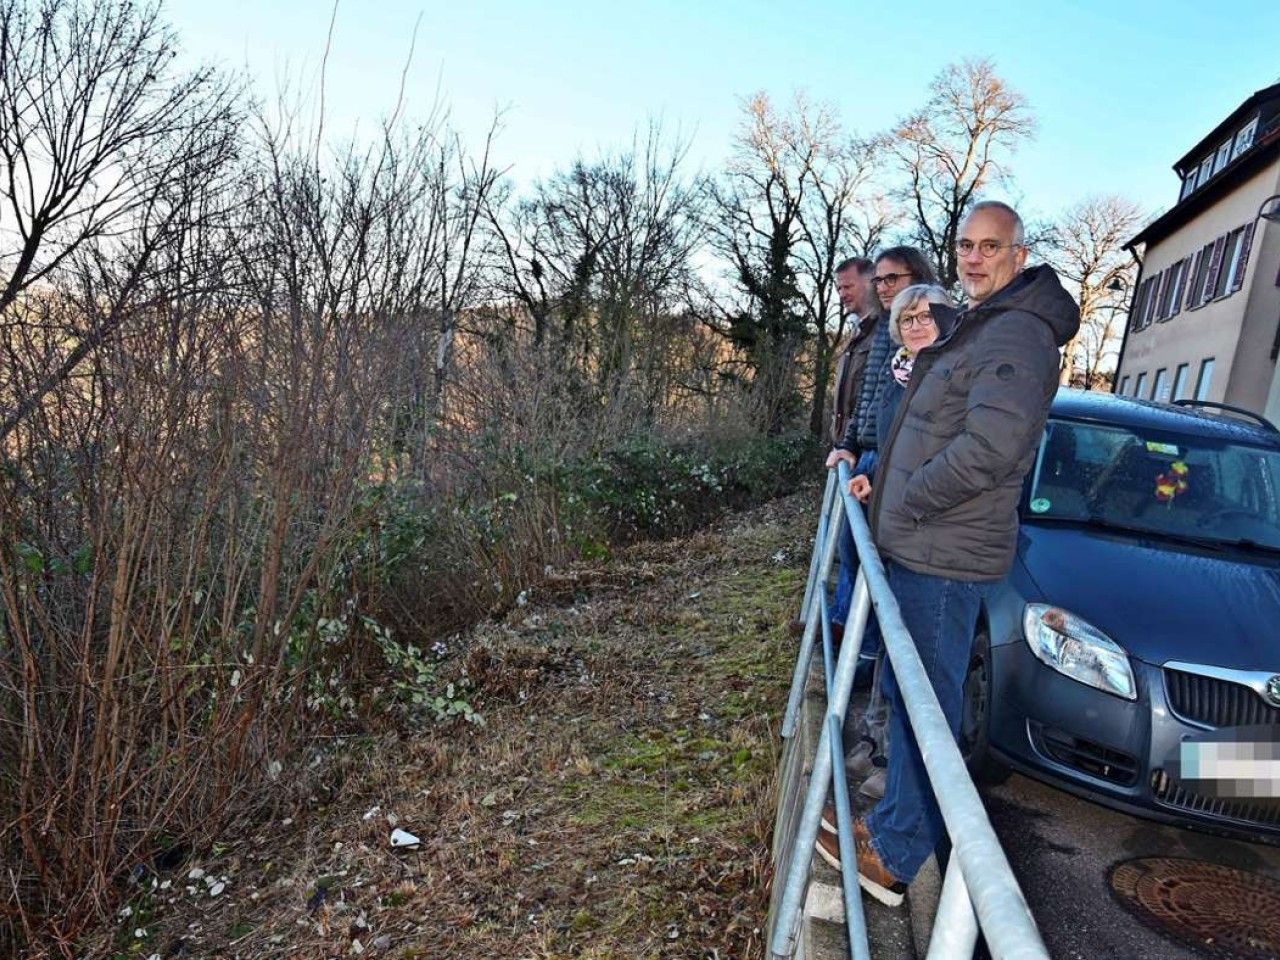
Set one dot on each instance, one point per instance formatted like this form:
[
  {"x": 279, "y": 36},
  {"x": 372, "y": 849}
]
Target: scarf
[{"x": 901, "y": 365}]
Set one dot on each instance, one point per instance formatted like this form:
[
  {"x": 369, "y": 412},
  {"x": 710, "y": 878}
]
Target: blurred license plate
[{"x": 1234, "y": 763}]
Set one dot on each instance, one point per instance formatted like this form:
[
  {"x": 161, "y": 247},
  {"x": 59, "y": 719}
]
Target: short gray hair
[
  {"x": 908, "y": 298},
  {"x": 1019, "y": 231}
]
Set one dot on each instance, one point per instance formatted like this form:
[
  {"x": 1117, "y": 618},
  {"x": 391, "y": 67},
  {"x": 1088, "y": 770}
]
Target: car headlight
[{"x": 1078, "y": 649}]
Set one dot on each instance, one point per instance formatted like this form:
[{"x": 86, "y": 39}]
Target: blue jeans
[{"x": 941, "y": 615}]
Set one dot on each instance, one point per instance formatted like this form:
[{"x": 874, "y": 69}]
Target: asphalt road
[{"x": 1062, "y": 848}]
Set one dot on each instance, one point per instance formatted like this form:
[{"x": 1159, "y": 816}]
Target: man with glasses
[
  {"x": 943, "y": 509},
  {"x": 894, "y": 270}
]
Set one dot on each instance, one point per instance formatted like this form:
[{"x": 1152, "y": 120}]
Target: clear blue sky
[{"x": 1120, "y": 88}]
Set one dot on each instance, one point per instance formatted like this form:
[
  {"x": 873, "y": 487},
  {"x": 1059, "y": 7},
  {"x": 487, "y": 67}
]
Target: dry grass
[{"x": 617, "y": 803}]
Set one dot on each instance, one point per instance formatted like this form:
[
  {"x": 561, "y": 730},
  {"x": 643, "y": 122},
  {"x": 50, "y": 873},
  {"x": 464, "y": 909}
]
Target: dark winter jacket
[
  {"x": 966, "y": 432},
  {"x": 851, "y": 368},
  {"x": 860, "y": 432}
]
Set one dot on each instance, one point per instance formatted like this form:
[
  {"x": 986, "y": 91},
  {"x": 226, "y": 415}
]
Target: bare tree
[
  {"x": 1086, "y": 246},
  {"x": 798, "y": 196},
  {"x": 953, "y": 147},
  {"x": 98, "y": 133},
  {"x": 844, "y": 214},
  {"x": 599, "y": 259}
]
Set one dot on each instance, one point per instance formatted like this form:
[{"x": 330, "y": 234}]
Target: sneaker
[
  {"x": 873, "y": 786},
  {"x": 873, "y": 876},
  {"x": 828, "y": 824}
]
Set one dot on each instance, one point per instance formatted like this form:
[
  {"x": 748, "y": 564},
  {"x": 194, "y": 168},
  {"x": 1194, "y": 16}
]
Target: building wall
[
  {"x": 1242, "y": 370},
  {"x": 1253, "y": 368}
]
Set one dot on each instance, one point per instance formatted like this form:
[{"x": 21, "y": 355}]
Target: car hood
[{"x": 1160, "y": 602}]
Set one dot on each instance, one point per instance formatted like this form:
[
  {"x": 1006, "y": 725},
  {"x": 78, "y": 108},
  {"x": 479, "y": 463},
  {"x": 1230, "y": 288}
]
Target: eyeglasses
[
  {"x": 890, "y": 278},
  {"x": 909, "y": 320},
  {"x": 988, "y": 248}
]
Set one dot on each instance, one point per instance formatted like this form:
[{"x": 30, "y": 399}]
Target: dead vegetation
[{"x": 616, "y": 803}]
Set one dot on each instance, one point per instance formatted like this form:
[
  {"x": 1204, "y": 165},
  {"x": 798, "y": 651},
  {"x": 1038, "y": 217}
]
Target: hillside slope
[{"x": 617, "y": 802}]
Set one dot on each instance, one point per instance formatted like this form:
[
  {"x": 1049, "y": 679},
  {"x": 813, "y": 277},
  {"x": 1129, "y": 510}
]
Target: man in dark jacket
[
  {"x": 895, "y": 269},
  {"x": 853, "y": 286},
  {"x": 944, "y": 509}
]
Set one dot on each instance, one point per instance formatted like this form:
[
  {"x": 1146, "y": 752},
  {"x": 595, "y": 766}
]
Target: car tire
[{"x": 975, "y": 718}]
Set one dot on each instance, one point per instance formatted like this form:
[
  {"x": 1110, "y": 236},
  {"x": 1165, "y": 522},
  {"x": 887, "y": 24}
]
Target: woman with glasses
[{"x": 912, "y": 327}]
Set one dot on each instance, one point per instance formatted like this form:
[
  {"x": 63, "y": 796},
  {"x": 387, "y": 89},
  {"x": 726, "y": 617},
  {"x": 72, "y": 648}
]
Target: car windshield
[{"x": 1177, "y": 486}]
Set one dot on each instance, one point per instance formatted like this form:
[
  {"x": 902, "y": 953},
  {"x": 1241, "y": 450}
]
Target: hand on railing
[
  {"x": 836, "y": 455},
  {"x": 860, "y": 487}
]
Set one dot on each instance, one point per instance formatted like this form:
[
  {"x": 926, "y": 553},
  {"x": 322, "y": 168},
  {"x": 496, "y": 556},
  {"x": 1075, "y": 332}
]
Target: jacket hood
[{"x": 1038, "y": 291}]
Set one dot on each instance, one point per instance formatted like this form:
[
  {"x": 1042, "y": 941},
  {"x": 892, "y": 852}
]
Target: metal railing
[{"x": 979, "y": 890}]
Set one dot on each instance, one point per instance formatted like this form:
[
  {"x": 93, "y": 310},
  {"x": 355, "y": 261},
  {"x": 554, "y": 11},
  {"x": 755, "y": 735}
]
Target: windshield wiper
[
  {"x": 1244, "y": 543},
  {"x": 1210, "y": 543}
]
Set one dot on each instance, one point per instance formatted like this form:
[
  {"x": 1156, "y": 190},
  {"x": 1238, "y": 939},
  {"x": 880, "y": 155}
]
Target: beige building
[{"x": 1204, "y": 319}]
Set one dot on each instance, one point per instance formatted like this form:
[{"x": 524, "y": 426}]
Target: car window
[{"x": 1181, "y": 485}]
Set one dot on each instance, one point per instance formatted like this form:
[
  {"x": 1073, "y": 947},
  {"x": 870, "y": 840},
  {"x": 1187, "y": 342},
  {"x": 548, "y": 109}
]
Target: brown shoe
[
  {"x": 828, "y": 824},
  {"x": 795, "y": 629},
  {"x": 873, "y": 876}
]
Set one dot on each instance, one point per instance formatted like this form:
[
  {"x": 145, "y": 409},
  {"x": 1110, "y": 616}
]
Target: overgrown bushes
[{"x": 276, "y": 416}]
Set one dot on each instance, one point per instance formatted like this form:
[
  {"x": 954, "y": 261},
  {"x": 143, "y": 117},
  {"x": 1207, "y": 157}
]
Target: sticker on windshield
[
  {"x": 1154, "y": 446},
  {"x": 1040, "y": 505}
]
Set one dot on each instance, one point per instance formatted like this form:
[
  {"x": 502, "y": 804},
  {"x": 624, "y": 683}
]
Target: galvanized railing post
[
  {"x": 797, "y": 878},
  {"x": 1006, "y": 920},
  {"x": 855, "y": 921},
  {"x": 955, "y": 928},
  {"x": 980, "y": 888}
]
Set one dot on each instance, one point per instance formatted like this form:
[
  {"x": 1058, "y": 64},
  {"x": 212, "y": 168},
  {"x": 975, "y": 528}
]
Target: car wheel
[{"x": 975, "y": 720}]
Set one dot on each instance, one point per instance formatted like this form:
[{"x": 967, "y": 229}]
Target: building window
[
  {"x": 1169, "y": 303},
  {"x": 1188, "y": 185},
  {"x": 1180, "y": 381},
  {"x": 1206, "y": 171},
  {"x": 1140, "y": 386},
  {"x": 1242, "y": 260},
  {"x": 1141, "y": 302},
  {"x": 1124, "y": 385},
  {"x": 1227, "y": 266},
  {"x": 1197, "y": 282},
  {"x": 1244, "y": 139},
  {"x": 1223, "y": 157},
  {"x": 1160, "y": 389},
  {"x": 1151, "y": 308},
  {"x": 1205, "y": 378}
]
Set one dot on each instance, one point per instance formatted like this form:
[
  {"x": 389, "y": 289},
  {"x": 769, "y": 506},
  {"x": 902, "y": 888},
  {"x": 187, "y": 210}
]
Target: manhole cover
[{"x": 1230, "y": 913}]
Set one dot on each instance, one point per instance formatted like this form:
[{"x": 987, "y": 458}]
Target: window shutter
[
  {"x": 1162, "y": 291},
  {"x": 1191, "y": 279},
  {"x": 1242, "y": 263},
  {"x": 1139, "y": 306},
  {"x": 1175, "y": 304},
  {"x": 1144, "y": 305},
  {"x": 1211, "y": 275}
]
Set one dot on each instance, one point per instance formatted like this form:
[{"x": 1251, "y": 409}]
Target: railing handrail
[{"x": 979, "y": 873}]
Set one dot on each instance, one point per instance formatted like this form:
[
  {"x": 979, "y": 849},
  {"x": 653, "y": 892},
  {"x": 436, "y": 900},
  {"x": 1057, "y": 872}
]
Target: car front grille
[
  {"x": 1215, "y": 702},
  {"x": 1169, "y": 791}
]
